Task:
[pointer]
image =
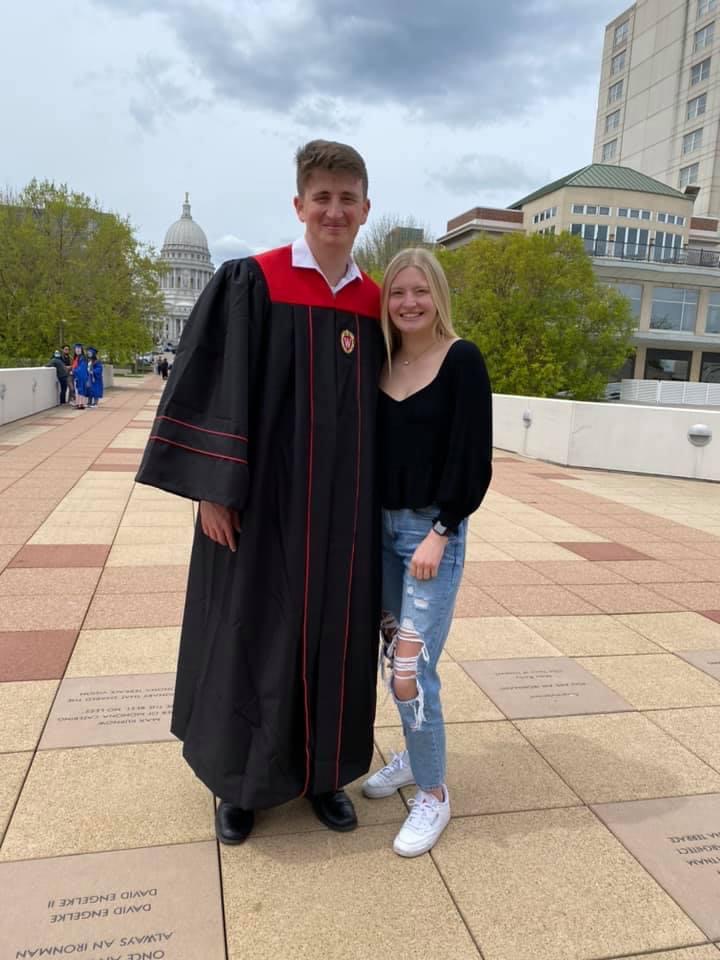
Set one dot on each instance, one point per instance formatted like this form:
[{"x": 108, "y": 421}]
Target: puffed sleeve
[
  {"x": 468, "y": 466},
  {"x": 198, "y": 444}
]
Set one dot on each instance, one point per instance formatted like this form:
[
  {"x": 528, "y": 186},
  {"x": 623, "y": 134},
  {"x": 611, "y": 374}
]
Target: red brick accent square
[
  {"x": 603, "y": 551},
  {"x": 35, "y": 654},
  {"x": 61, "y": 555}
]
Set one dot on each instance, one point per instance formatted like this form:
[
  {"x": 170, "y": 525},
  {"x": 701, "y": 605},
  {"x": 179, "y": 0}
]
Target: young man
[
  {"x": 61, "y": 373},
  {"x": 269, "y": 421},
  {"x": 67, "y": 360}
]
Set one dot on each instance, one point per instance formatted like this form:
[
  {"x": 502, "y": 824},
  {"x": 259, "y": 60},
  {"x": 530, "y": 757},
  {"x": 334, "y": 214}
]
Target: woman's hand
[
  {"x": 219, "y": 523},
  {"x": 426, "y": 560}
]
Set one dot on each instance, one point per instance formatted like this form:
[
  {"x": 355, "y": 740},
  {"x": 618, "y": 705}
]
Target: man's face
[{"x": 333, "y": 209}]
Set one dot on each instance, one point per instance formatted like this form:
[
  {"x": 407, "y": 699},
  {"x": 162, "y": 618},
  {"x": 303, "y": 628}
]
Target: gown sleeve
[
  {"x": 198, "y": 446},
  {"x": 468, "y": 467}
]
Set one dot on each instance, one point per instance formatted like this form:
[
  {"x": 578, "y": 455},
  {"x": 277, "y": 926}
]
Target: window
[
  {"x": 689, "y": 175},
  {"x": 621, "y": 33},
  {"x": 594, "y": 236},
  {"x": 545, "y": 215},
  {"x": 700, "y": 72},
  {"x": 617, "y": 64},
  {"x": 692, "y": 141},
  {"x": 668, "y": 364},
  {"x": 590, "y": 209},
  {"x": 710, "y": 368},
  {"x": 615, "y": 92},
  {"x": 704, "y": 37},
  {"x": 609, "y": 149},
  {"x": 667, "y": 246},
  {"x": 612, "y": 121},
  {"x": 633, "y": 213},
  {"x": 706, "y": 6},
  {"x": 697, "y": 106},
  {"x": 671, "y": 218},
  {"x": 712, "y": 320},
  {"x": 674, "y": 308},
  {"x": 633, "y": 292},
  {"x": 631, "y": 243}
]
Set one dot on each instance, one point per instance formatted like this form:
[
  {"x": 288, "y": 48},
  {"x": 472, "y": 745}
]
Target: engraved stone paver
[
  {"x": 90, "y": 711},
  {"x": 543, "y": 687},
  {"x": 678, "y": 841},
  {"x": 158, "y": 903}
]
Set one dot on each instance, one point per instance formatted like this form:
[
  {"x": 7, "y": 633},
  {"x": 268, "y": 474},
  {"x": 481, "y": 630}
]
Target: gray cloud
[
  {"x": 460, "y": 62},
  {"x": 475, "y": 173},
  {"x": 162, "y": 93}
]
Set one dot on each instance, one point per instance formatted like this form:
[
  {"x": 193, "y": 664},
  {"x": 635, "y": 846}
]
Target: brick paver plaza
[{"x": 582, "y": 694}]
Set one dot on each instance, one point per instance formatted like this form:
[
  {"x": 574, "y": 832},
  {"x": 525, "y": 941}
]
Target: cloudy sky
[{"x": 453, "y": 103}]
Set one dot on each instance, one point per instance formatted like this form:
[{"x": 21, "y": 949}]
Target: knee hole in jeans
[{"x": 409, "y": 647}]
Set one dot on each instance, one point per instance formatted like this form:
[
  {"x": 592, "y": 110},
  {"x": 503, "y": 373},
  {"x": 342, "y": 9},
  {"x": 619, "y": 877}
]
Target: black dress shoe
[
  {"x": 233, "y": 824},
  {"x": 335, "y": 810}
]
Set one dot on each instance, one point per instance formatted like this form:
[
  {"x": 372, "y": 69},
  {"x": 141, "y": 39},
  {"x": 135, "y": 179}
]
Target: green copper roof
[{"x": 605, "y": 175}]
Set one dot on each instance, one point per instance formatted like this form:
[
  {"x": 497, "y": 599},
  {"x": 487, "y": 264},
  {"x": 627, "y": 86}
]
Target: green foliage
[
  {"x": 534, "y": 307},
  {"x": 71, "y": 272}
]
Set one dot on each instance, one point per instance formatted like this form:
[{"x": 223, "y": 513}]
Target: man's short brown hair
[{"x": 332, "y": 157}]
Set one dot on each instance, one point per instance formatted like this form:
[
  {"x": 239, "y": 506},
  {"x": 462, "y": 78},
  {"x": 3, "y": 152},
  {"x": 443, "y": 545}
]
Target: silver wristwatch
[{"x": 440, "y": 529}]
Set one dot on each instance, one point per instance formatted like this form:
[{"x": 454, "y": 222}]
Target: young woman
[
  {"x": 435, "y": 436},
  {"x": 80, "y": 376},
  {"x": 95, "y": 378}
]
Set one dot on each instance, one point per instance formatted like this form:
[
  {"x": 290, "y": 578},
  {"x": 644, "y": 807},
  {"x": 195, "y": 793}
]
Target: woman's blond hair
[{"x": 434, "y": 274}]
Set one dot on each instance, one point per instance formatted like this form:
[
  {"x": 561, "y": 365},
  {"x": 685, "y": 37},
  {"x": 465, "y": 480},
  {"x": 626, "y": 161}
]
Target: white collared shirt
[{"x": 302, "y": 256}]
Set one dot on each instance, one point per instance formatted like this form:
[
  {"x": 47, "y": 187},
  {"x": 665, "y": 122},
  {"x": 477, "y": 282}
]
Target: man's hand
[
  {"x": 219, "y": 523},
  {"x": 428, "y": 556}
]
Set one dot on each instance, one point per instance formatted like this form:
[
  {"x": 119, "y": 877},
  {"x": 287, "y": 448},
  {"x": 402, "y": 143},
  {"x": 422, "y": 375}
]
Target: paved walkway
[{"x": 582, "y": 692}]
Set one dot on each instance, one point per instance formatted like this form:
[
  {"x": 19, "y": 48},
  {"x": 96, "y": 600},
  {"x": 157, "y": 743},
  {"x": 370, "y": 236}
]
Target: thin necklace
[{"x": 406, "y": 363}]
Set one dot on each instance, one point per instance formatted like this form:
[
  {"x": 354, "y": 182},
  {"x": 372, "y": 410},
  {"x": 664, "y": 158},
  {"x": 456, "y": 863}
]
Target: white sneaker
[
  {"x": 393, "y": 776},
  {"x": 427, "y": 819}
]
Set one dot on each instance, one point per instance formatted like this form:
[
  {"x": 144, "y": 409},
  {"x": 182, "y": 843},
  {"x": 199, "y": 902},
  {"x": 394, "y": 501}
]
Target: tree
[
  {"x": 384, "y": 237},
  {"x": 534, "y": 307},
  {"x": 70, "y": 271}
]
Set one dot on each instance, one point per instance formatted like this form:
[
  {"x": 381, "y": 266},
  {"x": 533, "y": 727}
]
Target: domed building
[{"x": 185, "y": 252}]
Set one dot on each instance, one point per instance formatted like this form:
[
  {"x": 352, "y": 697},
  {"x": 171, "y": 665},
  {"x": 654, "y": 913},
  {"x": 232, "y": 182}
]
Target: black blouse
[{"x": 436, "y": 445}]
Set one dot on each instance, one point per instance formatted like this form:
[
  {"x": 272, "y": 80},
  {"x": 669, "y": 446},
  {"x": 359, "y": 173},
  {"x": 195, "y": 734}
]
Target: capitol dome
[
  {"x": 186, "y": 233},
  {"x": 188, "y": 270}
]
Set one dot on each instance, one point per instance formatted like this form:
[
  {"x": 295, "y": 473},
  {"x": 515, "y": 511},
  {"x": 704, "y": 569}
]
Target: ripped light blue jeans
[{"x": 423, "y": 608}]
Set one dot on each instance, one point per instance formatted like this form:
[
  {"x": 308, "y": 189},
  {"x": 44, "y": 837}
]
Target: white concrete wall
[
  {"x": 609, "y": 436},
  {"x": 28, "y": 390}
]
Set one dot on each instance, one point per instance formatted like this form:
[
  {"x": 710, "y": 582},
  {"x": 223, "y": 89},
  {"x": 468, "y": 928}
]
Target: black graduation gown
[{"x": 270, "y": 409}]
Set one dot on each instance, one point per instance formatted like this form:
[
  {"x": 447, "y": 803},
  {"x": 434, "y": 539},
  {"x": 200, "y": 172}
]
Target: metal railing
[
  {"x": 665, "y": 393},
  {"x": 652, "y": 253}
]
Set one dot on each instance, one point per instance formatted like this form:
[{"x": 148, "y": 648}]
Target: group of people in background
[
  {"x": 79, "y": 375},
  {"x": 163, "y": 367}
]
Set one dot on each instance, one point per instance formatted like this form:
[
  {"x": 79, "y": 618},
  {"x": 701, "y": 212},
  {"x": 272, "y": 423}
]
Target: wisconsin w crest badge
[{"x": 347, "y": 341}]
